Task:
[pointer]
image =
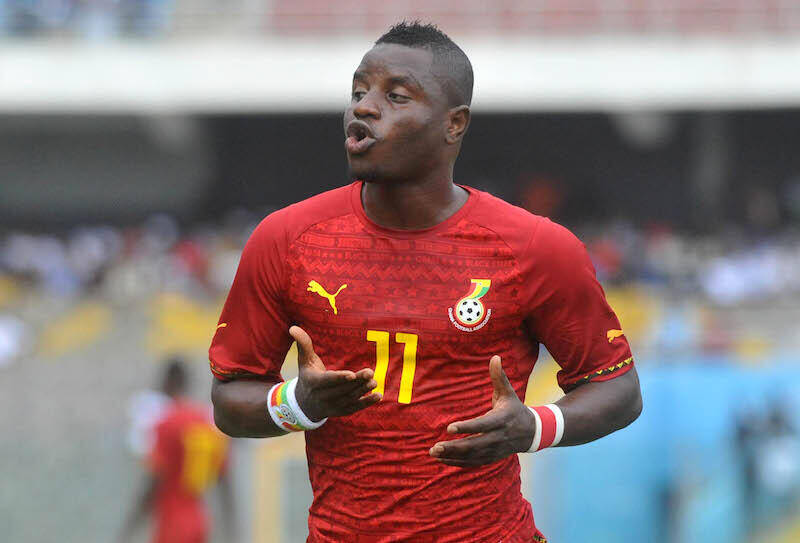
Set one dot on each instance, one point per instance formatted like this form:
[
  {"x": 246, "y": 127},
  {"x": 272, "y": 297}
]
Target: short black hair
[
  {"x": 176, "y": 376},
  {"x": 451, "y": 65}
]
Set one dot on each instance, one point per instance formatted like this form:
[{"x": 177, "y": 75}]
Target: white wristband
[
  {"x": 549, "y": 426},
  {"x": 284, "y": 410}
]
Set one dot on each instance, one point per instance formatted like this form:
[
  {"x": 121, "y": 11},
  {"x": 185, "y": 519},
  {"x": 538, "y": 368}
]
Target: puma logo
[
  {"x": 613, "y": 334},
  {"x": 313, "y": 286}
]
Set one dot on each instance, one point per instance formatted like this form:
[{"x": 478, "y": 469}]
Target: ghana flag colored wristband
[
  {"x": 285, "y": 411},
  {"x": 549, "y": 426}
]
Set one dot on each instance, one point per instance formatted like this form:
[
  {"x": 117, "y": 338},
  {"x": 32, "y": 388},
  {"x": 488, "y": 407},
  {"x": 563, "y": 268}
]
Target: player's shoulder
[
  {"x": 286, "y": 224},
  {"x": 523, "y": 231},
  {"x": 325, "y": 205},
  {"x": 514, "y": 225}
]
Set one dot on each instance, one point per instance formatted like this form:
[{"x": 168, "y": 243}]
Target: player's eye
[
  {"x": 399, "y": 98},
  {"x": 358, "y": 95}
]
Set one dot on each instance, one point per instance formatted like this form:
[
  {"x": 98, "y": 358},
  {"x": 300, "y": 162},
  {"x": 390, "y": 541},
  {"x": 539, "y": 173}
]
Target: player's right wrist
[
  {"x": 306, "y": 403},
  {"x": 285, "y": 411}
]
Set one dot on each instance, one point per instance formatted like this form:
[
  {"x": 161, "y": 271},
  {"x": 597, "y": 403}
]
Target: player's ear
[{"x": 457, "y": 123}]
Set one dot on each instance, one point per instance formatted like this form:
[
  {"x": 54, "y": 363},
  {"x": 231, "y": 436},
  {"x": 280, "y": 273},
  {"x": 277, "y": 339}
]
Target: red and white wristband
[
  {"x": 285, "y": 411},
  {"x": 549, "y": 426}
]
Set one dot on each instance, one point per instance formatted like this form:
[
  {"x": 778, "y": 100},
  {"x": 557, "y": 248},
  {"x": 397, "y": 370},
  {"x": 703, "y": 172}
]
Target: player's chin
[{"x": 362, "y": 170}]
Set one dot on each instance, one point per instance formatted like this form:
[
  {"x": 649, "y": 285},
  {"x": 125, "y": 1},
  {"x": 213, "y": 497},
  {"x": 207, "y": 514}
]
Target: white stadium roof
[{"x": 291, "y": 74}]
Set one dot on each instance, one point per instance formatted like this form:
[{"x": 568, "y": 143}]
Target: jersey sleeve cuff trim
[
  {"x": 227, "y": 375},
  {"x": 615, "y": 370}
]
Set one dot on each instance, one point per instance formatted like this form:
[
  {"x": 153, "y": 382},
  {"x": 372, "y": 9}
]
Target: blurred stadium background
[{"x": 142, "y": 140}]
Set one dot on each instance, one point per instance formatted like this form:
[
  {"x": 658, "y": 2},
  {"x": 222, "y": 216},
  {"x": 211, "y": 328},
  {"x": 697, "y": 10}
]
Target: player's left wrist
[
  {"x": 548, "y": 426},
  {"x": 530, "y": 428}
]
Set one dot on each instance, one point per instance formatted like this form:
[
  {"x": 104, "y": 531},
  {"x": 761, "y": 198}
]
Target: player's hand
[
  {"x": 506, "y": 429},
  {"x": 325, "y": 393}
]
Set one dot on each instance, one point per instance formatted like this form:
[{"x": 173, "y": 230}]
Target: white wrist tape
[
  {"x": 284, "y": 410},
  {"x": 549, "y": 426}
]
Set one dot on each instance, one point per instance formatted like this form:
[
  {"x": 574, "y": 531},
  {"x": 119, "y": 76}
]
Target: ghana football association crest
[
  {"x": 285, "y": 413},
  {"x": 469, "y": 313}
]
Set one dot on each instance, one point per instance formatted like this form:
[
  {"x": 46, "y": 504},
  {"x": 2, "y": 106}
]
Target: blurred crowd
[
  {"x": 675, "y": 293},
  {"x": 726, "y": 269},
  {"x": 126, "y": 263},
  {"x": 88, "y": 19}
]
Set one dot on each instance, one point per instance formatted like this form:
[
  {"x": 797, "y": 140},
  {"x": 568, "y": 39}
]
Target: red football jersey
[
  {"x": 426, "y": 309},
  {"x": 187, "y": 457}
]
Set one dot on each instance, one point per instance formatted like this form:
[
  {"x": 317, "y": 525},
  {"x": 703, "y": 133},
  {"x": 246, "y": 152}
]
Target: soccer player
[
  {"x": 426, "y": 302},
  {"x": 189, "y": 455}
]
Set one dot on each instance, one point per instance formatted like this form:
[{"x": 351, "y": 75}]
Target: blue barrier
[{"x": 675, "y": 474}]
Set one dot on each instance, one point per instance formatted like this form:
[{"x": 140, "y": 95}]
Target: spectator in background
[
  {"x": 188, "y": 456},
  {"x": 769, "y": 451},
  {"x": 778, "y": 467},
  {"x": 93, "y": 20}
]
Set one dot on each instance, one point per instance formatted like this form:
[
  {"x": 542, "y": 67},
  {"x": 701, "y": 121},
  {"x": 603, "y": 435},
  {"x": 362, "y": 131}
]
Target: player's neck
[{"x": 412, "y": 206}]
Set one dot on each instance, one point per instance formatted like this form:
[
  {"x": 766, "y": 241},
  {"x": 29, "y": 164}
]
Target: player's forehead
[{"x": 389, "y": 60}]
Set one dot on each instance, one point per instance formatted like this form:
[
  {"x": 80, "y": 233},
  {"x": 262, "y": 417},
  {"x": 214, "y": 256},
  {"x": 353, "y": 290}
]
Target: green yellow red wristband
[{"x": 284, "y": 410}]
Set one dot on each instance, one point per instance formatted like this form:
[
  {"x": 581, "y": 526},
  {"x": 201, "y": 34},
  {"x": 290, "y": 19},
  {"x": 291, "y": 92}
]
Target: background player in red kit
[
  {"x": 188, "y": 456},
  {"x": 426, "y": 302}
]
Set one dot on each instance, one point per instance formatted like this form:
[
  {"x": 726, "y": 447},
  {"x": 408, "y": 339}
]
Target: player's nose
[{"x": 367, "y": 107}]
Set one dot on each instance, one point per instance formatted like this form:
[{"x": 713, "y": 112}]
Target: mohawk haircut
[{"x": 450, "y": 64}]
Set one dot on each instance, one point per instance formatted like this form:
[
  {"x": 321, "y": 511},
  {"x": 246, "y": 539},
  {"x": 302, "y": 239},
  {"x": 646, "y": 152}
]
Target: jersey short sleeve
[
  {"x": 570, "y": 315},
  {"x": 252, "y": 335}
]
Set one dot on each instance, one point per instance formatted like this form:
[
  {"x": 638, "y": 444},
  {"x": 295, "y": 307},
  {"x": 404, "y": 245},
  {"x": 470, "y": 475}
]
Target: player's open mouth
[{"x": 359, "y": 137}]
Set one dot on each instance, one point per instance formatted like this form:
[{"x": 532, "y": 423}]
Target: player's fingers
[
  {"x": 492, "y": 420},
  {"x": 466, "y": 463},
  {"x": 361, "y": 403},
  {"x": 368, "y": 387},
  {"x": 343, "y": 393},
  {"x": 473, "y": 446},
  {"x": 500, "y": 382},
  {"x": 365, "y": 374},
  {"x": 320, "y": 380},
  {"x": 353, "y": 381}
]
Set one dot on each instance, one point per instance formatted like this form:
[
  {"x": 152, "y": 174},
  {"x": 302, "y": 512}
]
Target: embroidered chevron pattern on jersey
[
  {"x": 416, "y": 284},
  {"x": 605, "y": 371}
]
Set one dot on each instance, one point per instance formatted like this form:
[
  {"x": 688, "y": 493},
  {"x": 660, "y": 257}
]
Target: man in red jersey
[
  {"x": 426, "y": 302},
  {"x": 188, "y": 456}
]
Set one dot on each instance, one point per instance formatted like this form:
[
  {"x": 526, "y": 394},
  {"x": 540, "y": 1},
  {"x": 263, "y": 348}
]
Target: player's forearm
[
  {"x": 240, "y": 408},
  {"x": 597, "y": 409}
]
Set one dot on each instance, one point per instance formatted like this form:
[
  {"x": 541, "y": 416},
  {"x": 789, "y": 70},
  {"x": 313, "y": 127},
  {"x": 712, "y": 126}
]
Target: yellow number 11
[{"x": 409, "y": 341}]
